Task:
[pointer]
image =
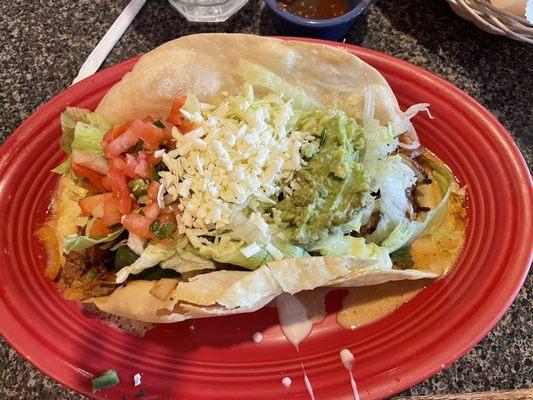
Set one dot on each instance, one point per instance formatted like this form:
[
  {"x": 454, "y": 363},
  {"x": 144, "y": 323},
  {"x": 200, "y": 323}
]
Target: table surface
[{"x": 45, "y": 42}]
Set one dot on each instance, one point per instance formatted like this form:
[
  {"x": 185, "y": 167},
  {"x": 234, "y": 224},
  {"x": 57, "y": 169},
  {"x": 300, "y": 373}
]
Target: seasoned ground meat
[
  {"x": 371, "y": 225},
  {"x": 85, "y": 275},
  {"x": 412, "y": 153}
]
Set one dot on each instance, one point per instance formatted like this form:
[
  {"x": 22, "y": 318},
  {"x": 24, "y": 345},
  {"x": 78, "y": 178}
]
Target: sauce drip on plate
[
  {"x": 257, "y": 337},
  {"x": 308, "y": 385},
  {"x": 293, "y": 319},
  {"x": 286, "y": 381},
  {"x": 296, "y": 326},
  {"x": 348, "y": 361}
]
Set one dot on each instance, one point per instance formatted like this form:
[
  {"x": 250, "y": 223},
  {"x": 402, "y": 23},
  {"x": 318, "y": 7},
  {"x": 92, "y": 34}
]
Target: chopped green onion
[
  {"x": 108, "y": 379},
  {"x": 402, "y": 258},
  {"x": 138, "y": 188},
  {"x": 159, "y": 124},
  {"x": 155, "y": 176},
  {"x": 162, "y": 231},
  {"x": 157, "y": 168},
  {"x": 139, "y": 146}
]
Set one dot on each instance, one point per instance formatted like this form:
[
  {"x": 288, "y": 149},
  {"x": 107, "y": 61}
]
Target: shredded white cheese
[
  {"x": 251, "y": 250},
  {"x": 159, "y": 153},
  {"x": 160, "y": 194},
  {"x": 274, "y": 252},
  {"x": 242, "y": 150}
]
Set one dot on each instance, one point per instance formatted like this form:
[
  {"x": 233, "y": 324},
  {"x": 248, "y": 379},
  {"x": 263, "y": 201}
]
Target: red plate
[{"x": 218, "y": 360}]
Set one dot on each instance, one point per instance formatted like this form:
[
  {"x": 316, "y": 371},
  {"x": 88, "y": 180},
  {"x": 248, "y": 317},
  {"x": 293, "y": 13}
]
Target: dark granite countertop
[{"x": 43, "y": 44}]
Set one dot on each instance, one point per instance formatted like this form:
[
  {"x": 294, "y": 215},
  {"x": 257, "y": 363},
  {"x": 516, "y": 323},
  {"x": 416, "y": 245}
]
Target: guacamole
[{"x": 332, "y": 188}]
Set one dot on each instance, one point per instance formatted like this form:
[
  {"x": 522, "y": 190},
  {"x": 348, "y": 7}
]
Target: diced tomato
[
  {"x": 117, "y": 163},
  {"x": 88, "y": 204},
  {"x": 112, "y": 214},
  {"x": 163, "y": 219},
  {"x": 187, "y": 126},
  {"x": 167, "y": 133},
  {"x": 115, "y": 132},
  {"x": 125, "y": 141},
  {"x": 174, "y": 117},
  {"x": 99, "y": 228},
  {"x": 151, "y": 211},
  {"x": 152, "y": 159},
  {"x": 167, "y": 217},
  {"x": 94, "y": 178},
  {"x": 98, "y": 211},
  {"x": 91, "y": 161},
  {"x": 151, "y": 135},
  {"x": 119, "y": 185},
  {"x": 143, "y": 169},
  {"x": 138, "y": 168},
  {"x": 149, "y": 119},
  {"x": 131, "y": 166},
  {"x": 138, "y": 225},
  {"x": 153, "y": 189},
  {"x": 106, "y": 183}
]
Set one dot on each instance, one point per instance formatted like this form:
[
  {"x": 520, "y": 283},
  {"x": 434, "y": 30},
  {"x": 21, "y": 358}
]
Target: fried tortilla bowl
[{"x": 211, "y": 66}]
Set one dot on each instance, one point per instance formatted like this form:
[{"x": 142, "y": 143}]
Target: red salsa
[{"x": 316, "y": 9}]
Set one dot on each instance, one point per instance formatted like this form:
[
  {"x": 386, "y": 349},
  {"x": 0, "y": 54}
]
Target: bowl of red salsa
[{"x": 324, "y": 19}]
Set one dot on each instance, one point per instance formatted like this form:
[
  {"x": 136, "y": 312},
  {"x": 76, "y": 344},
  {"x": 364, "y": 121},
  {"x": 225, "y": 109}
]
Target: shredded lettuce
[
  {"x": 70, "y": 118},
  {"x": 229, "y": 252},
  {"x": 152, "y": 255},
  {"x": 64, "y": 167},
  {"x": 405, "y": 125},
  {"x": 391, "y": 177},
  {"x": 380, "y": 142},
  {"x": 88, "y": 138},
  {"x": 345, "y": 246},
  {"x": 407, "y": 231},
  {"x": 249, "y": 229},
  {"x": 401, "y": 235},
  {"x": 186, "y": 260},
  {"x": 291, "y": 251},
  {"x": 78, "y": 242},
  {"x": 82, "y": 130},
  {"x": 258, "y": 75}
]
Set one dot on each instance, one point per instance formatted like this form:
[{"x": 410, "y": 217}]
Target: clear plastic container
[{"x": 207, "y": 10}]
